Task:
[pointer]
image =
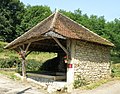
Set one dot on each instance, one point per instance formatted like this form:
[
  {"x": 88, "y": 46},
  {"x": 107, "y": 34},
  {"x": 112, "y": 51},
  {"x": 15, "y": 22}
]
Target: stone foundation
[{"x": 92, "y": 61}]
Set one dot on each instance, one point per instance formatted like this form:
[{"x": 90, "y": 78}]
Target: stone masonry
[{"x": 92, "y": 61}]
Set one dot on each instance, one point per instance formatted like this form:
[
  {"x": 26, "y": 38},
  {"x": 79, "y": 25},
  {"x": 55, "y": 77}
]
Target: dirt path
[
  {"x": 8, "y": 86},
  {"x": 112, "y": 87}
]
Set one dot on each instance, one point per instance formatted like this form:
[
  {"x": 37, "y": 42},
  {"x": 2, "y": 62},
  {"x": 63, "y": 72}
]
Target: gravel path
[
  {"x": 112, "y": 87},
  {"x": 8, "y": 86}
]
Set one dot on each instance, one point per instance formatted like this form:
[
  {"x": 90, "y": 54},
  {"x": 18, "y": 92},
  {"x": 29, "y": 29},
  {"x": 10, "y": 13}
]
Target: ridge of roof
[{"x": 54, "y": 20}]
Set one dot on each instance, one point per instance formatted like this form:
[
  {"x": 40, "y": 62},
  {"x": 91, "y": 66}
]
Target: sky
[{"x": 110, "y": 9}]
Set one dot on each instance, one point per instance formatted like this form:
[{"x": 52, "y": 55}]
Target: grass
[
  {"x": 98, "y": 83},
  {"x": 41, "y": 56},
  {"x": 10, "y": 74}
]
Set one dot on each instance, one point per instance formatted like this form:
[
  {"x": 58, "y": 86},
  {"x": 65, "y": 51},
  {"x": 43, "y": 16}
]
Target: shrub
[
  {"x": 79, "y": 82},
  {"x": 2, "y": 44},
  {"x": 33, "y": 65},
  {"x": 116, "y": 70},
  {"x": 9, "y": 62}
]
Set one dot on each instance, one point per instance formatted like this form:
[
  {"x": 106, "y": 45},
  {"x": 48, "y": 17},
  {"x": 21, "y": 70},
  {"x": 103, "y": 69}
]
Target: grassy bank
[
  {"x": 10, "y": 74},
  {"x": 10, "y": 58}
]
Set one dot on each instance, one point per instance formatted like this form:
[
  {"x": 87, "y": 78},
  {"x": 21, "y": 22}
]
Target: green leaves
[
  {"x": 34, "y": 15},
  {"x": 11, "y": 12}
]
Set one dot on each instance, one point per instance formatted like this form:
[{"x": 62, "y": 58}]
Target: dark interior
[
  {"x": 55, "y": 65},
  {"x": 47, "y": 45}
]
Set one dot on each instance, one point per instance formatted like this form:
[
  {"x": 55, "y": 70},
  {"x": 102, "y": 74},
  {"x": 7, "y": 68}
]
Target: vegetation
[
  {"x": 32, "y": 16},
  {"x": 11, "y": 13},
  {"x": 10, "y": 75},
  {"x": 115, "y": 70},
  {"x": 16, "y": 18},
  {"x": 98, "y": 83},
  {"x": 10, "y": 59},
  {"x": 79, "y": 82}
]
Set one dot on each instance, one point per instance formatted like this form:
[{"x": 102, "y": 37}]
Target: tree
[
  {"x": 11, "y": 12},
  {"x": 97, "y": 25},
  {"x": 113, "y": 30},
  {"x": 32, "y": 16}
]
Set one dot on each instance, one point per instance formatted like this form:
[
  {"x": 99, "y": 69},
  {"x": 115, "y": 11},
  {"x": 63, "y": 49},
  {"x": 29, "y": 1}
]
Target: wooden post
[
  {"x": 23, "y": 53},
  {"x": 23, "y": 69},
  {"x": 23, "y": 56}
]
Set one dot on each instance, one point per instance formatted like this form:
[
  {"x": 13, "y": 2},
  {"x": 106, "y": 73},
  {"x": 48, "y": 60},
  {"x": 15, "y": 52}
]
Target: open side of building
[{"x": 88, "y": 54}]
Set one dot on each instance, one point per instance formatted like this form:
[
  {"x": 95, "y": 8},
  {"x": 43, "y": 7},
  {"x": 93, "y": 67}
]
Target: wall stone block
[{"x": 92, "y": 61}]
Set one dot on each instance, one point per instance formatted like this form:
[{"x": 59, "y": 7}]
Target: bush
[
  {"x": 79, "y": 82},
  {"x": 33, "y": 65},
  {"x": 116, "y": 70},
  {"x": 2, "y": 45},
  {"x": 9, "y": 63}
]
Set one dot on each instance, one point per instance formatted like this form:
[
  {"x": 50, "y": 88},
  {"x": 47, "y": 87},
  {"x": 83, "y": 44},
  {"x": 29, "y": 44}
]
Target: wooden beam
[
  {"x": 23, "y": 56},
  {"x": 20, "y": 48},
  {"x": 69, "y": 48},
  {"x": 28, "y": 53},
  {"x": 27, "y": 41},
  {"x": 23, "y": 46},
  {"x": 64, "y": 49},
  {"x": 27, "y": 47}
]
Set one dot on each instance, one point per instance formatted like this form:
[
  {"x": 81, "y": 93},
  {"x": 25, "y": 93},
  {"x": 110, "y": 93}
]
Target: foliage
[
  {"x": 9, "y": 63},
  {"x": 2, "y": 45},
  {"x": 32, "y": 16},
  {"x": 11, "y": 12},
  {"x": 36, "y": 59},
  {"x": 79, "y": 82},
  {"x": 33, "y": 65},
  {"x": 113, "y": 31},
  {"x": 8, "y": 59},
  {"x": 115, "y": 70}
]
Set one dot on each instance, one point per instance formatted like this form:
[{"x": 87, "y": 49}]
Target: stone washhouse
[{"x": 88, "y": 54}]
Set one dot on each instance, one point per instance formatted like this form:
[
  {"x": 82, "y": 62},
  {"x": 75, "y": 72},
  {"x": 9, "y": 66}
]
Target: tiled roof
[{"x": 61, "y": 25}]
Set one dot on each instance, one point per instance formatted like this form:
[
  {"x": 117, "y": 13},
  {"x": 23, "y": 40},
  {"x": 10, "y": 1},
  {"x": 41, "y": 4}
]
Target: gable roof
[{"x": 62, "y": 26}]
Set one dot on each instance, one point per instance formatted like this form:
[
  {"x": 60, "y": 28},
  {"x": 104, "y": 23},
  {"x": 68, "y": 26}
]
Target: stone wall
[{"x": 92, "y": 61}]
